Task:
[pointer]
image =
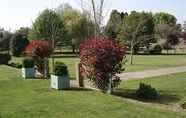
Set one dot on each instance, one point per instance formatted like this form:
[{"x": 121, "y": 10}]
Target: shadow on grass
[
  {"x": 78, "y": 89},
  {"x": 164, "y": 97}
]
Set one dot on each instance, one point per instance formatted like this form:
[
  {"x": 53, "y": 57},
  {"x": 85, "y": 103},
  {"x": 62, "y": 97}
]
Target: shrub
[
  {"x": 4, "y": 58},
  {"x": 101, "y": 57},
  {"x": 28, "y": 63},
  {"x": 183, "y": 105},
  {"x": 18, "y": 44},
  {"x": 60, "y": 69},
  {"x": 146, "y": 92},
  {"x": 157, "y": 49},
  {"x": 15, "y": 65},
  {"x": 40, "y": 50}
]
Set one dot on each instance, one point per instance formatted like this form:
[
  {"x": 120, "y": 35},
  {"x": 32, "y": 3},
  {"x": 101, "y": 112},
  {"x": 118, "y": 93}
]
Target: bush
[
  {"x": 15, "y": 65},
  {"x": 28, "y": 63},
  {"x": 157, "y": 49},
  {"x": 40, "y": 50},
  {"x": 101, "y": 57},
  {"x": 60, "y": 69},
  {"x": 18, "y": 44},
  {"x": 146, "y": 92},
  {"x": 183, "y": 105},
  {"x": 4, "y": 58}
]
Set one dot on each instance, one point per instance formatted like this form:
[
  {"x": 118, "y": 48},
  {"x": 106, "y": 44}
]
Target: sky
[{"x": 21, "y": 13}]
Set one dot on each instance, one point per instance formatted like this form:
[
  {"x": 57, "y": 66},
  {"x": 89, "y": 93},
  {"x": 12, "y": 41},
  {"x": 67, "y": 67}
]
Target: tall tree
[
  {"x": 18, "y": 44},
  {"x": 78, "y": 26},
  {"x": 48, "y": 26},
  {"x": 23, "y": 31},
  {"x": 168, "y": 36},
  {"x": 5, "y": 37},
  {"x": 167, "y": 30},
  {"x": 95, "y": 9},
  {"x": 164, "y": 18},
  {"x": 113, "y": 25},
  {"x": 137, "y": 29}
]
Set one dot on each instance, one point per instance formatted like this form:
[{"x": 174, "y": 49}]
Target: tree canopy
[
  {"x": 136, "y": 28},
  {"x": 47, "y": 26},
  {"x": 113, "y": 25},
  {"x": 164, "y": 18},
  {"x": 79, "y": 27}
]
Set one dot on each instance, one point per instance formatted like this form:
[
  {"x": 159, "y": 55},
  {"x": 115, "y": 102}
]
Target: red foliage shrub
[
  {"x": 40, "y": 50},
  {"x": 100, "y": 57}
]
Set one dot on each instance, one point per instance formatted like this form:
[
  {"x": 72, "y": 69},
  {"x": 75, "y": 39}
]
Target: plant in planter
[
  {"x": 60, "y": 79},
  {"x": 40, "y": 51},
  {"x": 28, "y": 70},
  {"x": 102, "y": 59}
]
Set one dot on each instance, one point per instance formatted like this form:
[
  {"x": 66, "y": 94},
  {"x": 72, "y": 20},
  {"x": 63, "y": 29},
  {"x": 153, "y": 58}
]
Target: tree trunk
[
  {"x": 131, "y": 54},
  {"x": 53, "y": 46},
  {"x": 174, "y": 49},
  {"x": 46, "y": 68},
  {"x": 167, "y": 51},
  {"x": 73, "y": 49}
]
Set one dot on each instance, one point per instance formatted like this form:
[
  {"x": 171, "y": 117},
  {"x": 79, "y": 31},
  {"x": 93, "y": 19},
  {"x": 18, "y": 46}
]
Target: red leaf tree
[
  {"x": 40, "y": 50},
  {"x": 102, "y": 57}
]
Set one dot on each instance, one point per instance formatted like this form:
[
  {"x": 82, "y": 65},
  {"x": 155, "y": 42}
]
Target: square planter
[
  {"x": 28, "y": 73},
  {"x": 60, "y": 82}
]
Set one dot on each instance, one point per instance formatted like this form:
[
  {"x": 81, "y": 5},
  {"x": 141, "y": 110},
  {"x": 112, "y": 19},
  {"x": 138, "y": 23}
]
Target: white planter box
[
  {"x": 28, "y": 73},
  {"x": 60, "y": 82}
]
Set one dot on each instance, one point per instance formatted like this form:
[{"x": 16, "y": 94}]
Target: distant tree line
[
  {"x": 69, "y": 27},
  {"x": 144, "y": 30}
]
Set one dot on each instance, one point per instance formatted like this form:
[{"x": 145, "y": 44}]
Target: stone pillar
[{"x": 79, "y": 76}]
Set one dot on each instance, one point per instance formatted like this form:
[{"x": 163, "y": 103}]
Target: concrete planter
[
  {"x": 28, "y": 73},
  {"x": 60, "y": 82}
]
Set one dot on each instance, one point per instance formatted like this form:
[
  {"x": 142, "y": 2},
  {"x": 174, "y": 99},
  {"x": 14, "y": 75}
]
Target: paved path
[{"x": 151, "y": 73}]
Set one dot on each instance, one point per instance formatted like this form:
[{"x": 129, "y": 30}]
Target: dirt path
[{"x": 151, "y": 73}]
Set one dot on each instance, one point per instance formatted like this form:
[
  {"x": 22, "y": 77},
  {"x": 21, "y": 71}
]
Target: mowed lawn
[
  {"x": 145, "y": 62},
  {"x": 172, "y": 89},
  {"x": 21, "y": 98},
  {"x": 142, "y": 62}
]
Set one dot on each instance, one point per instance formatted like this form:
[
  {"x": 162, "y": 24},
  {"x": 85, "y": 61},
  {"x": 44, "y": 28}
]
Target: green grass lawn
[
  {"x": 145, "y": 62},
  {"x": 142, "y": 62},
  {"x": 21, "y": 98},
  {"x": 172, "y": 88}
]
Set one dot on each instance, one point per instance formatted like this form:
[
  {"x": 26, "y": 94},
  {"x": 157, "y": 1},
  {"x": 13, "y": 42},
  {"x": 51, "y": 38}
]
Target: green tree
[
  {"x": 167, "y": 30},
  {"x": 78, "y": 26},
  {"x": 168, "y": 36},
  {"x": 113, "y": 26},
  {"x": 164, "y": 18},
  {"x": 18, "y": 44},
  {"x": 5, "y": 37},
  {"x": 23, "y": 31},
  {"x": 48, "y": 26},
  {"x": 137, "y": 30}
]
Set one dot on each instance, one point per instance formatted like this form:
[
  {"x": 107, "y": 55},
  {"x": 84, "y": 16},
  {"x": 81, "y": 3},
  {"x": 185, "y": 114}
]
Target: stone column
[{"x": 79, "y": 76}]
